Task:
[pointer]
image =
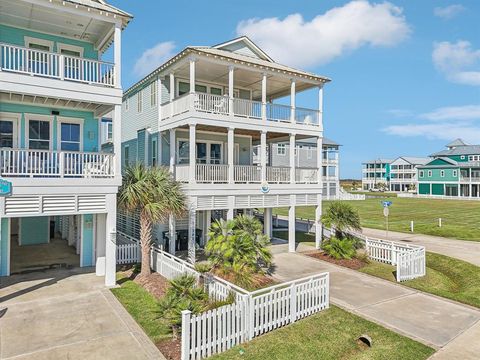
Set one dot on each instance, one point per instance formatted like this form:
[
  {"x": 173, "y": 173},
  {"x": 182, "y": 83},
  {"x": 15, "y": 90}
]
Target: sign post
[{"x": 386, "y": 213}]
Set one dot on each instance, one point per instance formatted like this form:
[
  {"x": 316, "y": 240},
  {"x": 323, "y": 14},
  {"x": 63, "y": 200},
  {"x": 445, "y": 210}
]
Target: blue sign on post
[
  {"x": 386, "y": 203},
  {"x": 5, "y": 188}
]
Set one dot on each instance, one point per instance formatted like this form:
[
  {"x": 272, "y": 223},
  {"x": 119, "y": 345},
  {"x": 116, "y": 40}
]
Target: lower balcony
[
  {"x": 55, "y": 164},
  {"x": 245, "y": 174}
]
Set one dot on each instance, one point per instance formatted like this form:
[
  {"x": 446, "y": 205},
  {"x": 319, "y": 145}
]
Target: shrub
[
  {"x": 343, "y": 217},
  {"x": 340, "y": 248}
]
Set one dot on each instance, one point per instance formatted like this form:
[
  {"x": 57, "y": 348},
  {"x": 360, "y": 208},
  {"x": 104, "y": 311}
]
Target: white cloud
[
  {"x": 400, "y": 113},
  {"x": 458, "y": 61},
  {"x": 448, "y": 12},
  {"x": 297, "y": 42},
  {"x": 154, "y": 57},
  {"x": 449, "y": 123},
  {"x": 467, "y": 112}
]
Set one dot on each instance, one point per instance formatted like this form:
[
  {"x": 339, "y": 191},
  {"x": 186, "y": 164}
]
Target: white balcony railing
[
  {"x": 247, "y": 174},
  {"x": 44, "y": 163},
  {"x": 53, "y": 65},
  {"x": 278, "y": 174},
  {"x": 217, "y": 104},
  {"x": 306, "y": 175},
  {"x": 211, "y": 173}
]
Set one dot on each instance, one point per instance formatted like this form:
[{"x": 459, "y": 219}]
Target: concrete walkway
[
  {"x": 464, "y": 250},
  {"x": 67, "y": 314},
  {"x": 434, "y": 321}
]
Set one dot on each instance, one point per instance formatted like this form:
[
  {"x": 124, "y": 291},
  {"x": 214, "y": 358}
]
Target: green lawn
[
  {"x": 142, "y": 306},
  {"x": 305, "y": 238},
  {"x": 447, "y": 277},
  {"x": 459, "y": 218},
  {"x": 330, "y": 334}
]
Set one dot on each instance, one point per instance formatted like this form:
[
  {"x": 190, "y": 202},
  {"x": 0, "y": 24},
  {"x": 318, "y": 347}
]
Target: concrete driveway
[
  {"x": 67, "y": 314},
  {"x": 426, "y": 318}
]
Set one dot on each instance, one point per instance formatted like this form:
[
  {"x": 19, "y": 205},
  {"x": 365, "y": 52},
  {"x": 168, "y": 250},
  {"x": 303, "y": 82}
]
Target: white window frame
[
  {"x": 62, "y": 46},
  {"x": 15, "y": 119},
  {"x": 454, "y": 173},
  {"x": 421, "y": 173},
  {"x": 109, "y": 130},
  {"x": 429, "y": 173},
  {"x": 154, "y": 151},
  {"x": 200, "y": 141},
  {"x": 442, "y": 173},
  {"x": 32, "y": 40},
  {"x": 68, "y": 120},
  {"x": 153, "y": 93},
  {"x": 28, "y": 118},
  {"x": 140, "y": 101},
  {"x": 284, "y": 149},
  {"x": 462, "y": 157},
  {"x": 126, "y": 159}
]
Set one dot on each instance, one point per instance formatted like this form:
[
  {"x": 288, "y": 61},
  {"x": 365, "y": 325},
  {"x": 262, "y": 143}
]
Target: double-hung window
[
  {"x": 140, "y": 101},
  {"x": 70, "y": 136},
  {"x": 39, "y": 134},
  {"x": 6, "y": 134},
  {"x": 153, "y": 94},
  {"x": 154, "y": 152}
]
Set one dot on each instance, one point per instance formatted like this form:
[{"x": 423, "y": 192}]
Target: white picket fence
[
  {"x": 170, "y": 266},
  {"x": 409, "y": 259},
  {"x": 128, "y": 249},
  {"x": 254, "y": 313}
]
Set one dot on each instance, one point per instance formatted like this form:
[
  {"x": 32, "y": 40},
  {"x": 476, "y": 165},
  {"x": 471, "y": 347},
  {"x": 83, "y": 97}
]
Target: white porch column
[
  {"x": 192, "y": 224},
  {"x": 291, "y": 156},
  {"x": 171, "y": 92},
  {"x": 319, "y": 159},
  {"x": 292, "y": 101},
  {"x": 318, "y": 222},
  {"x": 172, "y": 235},
  {"x": 231, "y": 153},
  {"x": 117, "y": 54},
  {"x": 320, "y": 105},
  {"x": 117, "y": 139},
  {"x": 172, "y": 150},
  {"x": 263, "y": 154},
  {"x": 230, "y": 210},
  {"x": 192, "y": 154},
  {"x": 264, "y": 97},
  {"x": 291, "y": 224},
  {"x": 110, "y": 240},
  {"x": 208, "y": 223},
  {"x": 192, "y": 75},
  {"x": 100, "y": 244},
  {"x": 267, "y": 222},
  {"x": 231, "y": 70}
]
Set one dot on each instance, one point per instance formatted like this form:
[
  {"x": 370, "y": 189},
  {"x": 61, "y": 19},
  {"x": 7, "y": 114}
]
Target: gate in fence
[{"x": 128, "y": 249}]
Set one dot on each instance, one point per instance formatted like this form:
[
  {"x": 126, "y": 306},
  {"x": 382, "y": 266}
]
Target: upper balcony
[
  {"x": 247, "y": 109},
  {"x": 57, "y": 50}
]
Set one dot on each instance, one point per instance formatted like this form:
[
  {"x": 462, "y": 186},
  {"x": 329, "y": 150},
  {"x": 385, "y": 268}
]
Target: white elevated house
[
  {"x": 54, "y": 90},
  {"x": 278, "y": 154},
  {"x": 403, "y": 173},
  {"x": 200, "y": 114}
]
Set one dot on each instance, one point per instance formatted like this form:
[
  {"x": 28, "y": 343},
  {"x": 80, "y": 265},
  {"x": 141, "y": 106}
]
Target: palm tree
[
  {"x": 342, "y": 217},
  {"x": 155, "y": 195}
]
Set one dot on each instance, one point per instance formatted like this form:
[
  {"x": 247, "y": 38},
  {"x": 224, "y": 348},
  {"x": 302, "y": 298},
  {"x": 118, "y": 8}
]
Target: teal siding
[
  {"x": 90, "y": 124},
  {"x": 87, "y": 241},
  {"x": 436, "y": 174},
  {"x": 34, "y": 230},
  {"x": 424, "y": 189},
  {"x": 16, "y": 36},
  {"x": 437, "y": 189},
  {"x": 4, "y": 246}
]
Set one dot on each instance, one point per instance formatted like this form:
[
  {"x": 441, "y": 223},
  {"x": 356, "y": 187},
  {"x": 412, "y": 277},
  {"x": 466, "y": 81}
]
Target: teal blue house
[
  {"x": 454, "y": 172},
  {"x": 56, "y": 84},
  {"x": 376, "y": 173}
]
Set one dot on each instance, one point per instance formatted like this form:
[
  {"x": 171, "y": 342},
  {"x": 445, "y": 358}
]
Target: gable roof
[
  {"x": 414, "y": 160},
  {"x": 248, "y": 43},
  {"x": 101, "y": 5},
  {"x": 456, "y": 142},
  {"x": 434, "y": 162},
  {"x": 459, "y": 150},
  {"x": 379, "y": 161}
]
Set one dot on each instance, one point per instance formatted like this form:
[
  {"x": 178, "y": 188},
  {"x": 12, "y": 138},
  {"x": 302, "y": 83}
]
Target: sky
[{"x": 405, "y": 74}]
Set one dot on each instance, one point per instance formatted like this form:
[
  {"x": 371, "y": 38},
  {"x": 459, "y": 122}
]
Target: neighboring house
[
  {"x": 278, "y": 155},
  {"x": 452, "y": 172},
  {"x": 376, "y": 173},
  {"x": 54, "y": 89},
  {"x": 200, "y": 114},
  {"x": 403, "y": 173},
  {"x": 106, "y": 133}
]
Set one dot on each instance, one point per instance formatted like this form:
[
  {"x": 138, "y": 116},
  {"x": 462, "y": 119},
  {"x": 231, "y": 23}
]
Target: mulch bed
[
  {"x": 154, "y": 283},
  {"x": 171, "y": 349},
  {"x": 354, "y": 263}
]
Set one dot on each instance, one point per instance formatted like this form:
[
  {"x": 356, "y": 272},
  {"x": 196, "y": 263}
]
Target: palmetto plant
[
  {"x": 342, "y": 217},
  {"x": 340, "y": 249},
  {"x": 155, "y": 195},
  {"x": 238, "y": 249}
]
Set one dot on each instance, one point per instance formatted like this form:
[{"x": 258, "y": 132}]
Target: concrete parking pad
[
  {"x": 61, "y": 314},
  {"x": 432, "y": 320}
]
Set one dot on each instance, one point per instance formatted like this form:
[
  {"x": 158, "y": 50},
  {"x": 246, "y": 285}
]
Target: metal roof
[
  {"x": 459, "y": 150},
  {"x": 456, "y": 142},
  {"x": 379, "y": 161}
]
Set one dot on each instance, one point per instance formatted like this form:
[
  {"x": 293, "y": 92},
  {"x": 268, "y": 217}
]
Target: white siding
[{"x": 132, "y": 120}]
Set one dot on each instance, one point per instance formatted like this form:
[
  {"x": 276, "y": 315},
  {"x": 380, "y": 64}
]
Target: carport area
[{"x": 67, "y": 314}]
